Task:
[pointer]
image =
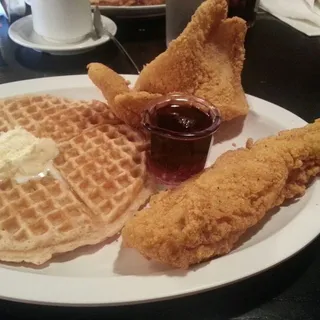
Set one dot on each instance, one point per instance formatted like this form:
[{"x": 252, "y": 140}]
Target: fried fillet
[
  {"x": 205, "y": 216},
  {"x": 109, "y": 82},
  {"x": 126, "y": 2},
  {"x": 206, "y": 60},
  {"x": 126, "y": 104}
]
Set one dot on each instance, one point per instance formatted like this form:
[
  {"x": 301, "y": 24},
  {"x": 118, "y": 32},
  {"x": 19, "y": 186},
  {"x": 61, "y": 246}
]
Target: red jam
[{"x": 181, "y": 129}]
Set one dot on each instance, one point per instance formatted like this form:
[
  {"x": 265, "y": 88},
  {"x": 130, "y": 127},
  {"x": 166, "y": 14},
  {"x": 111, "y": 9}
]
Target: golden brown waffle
[
  {"x": 55, "y": 117},
  {"x": 4, "y": 123},
  {"x": 103, "y": 179},
  {"x": 41, "y": 218},
  {"x": 29, "y": 111},
  {"x": 106, "y": 167}
]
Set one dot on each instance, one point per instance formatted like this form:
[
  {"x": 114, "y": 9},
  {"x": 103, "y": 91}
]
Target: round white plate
[
  {"x": 134, "y": 11},
  {"x": 22, "y": 33},
  {"x": 108, "y": 275}
]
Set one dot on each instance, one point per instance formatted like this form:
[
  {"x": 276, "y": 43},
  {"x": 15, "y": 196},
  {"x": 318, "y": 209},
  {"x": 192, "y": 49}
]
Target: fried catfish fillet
[
  {"x": 126, "y": 104},
  {"x": 205, "y": 216},
  {"x": 206, "y": 60}
]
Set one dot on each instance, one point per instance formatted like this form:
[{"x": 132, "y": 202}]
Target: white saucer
[{"x": 22, "y": 33}]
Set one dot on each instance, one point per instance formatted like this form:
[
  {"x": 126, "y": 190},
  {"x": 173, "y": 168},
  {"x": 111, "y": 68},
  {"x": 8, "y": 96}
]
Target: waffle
[
  {"x": 40, "y": 218},
  {"x": 29, "y": 111},
  {"x": 4, "y": 122},
  {"x": 55, "y": 117},
  {"x": 105, "y": 166},
  {"x": 102, "y": 179}
]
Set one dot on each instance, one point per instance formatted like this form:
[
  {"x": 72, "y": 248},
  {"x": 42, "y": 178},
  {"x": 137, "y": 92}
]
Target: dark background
[{"x": 282, "y": 66}]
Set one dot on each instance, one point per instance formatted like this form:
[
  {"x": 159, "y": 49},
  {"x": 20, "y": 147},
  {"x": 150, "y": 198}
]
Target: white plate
[
  {"x": 106, "y": 275},
  {"x": 134, "y": 11},
  {"x": 22, "y": 33}
]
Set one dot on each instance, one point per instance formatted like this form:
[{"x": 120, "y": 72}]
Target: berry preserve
[{"x": 181, "y": 129}]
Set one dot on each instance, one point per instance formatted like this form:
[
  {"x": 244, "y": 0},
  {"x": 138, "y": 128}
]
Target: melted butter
[
  {"x": 24, "y": 156},
  {"x": 48, "y": 170}
]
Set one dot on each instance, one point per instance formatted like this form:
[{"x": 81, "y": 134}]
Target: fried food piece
[
  {"x": 109, "y": 82},
  {"x": 205, "y": 60},
  {"x": 114, "y": 2},
  {"x": 127, "y": 105},
  {"x": 151, "y": 2},
  {"x": 205, "y": 216},
  {"x": 126, "y": 2}
]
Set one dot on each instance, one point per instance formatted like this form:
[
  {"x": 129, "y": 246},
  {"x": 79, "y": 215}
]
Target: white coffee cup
[{"x": 62, "y": 21}]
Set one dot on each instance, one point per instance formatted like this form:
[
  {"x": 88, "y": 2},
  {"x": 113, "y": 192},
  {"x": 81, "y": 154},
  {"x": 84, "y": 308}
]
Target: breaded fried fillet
[
  {"x": 206, "y": 60},
  {"x": 205, "y": 216},
  {"x": 126, "y": 104}
]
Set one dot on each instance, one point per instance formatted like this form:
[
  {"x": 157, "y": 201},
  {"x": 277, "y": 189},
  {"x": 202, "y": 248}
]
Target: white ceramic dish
[
  {"x": 21, "y": 32},
  {"x": 108, "y": 275},
  {"x": 134, "y": 11}
]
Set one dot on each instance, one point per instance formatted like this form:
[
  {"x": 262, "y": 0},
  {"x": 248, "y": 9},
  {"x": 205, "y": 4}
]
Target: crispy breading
[
  {"x": 205, "y": 216},
  {"x": 206, "y": 60},
  {"x": 126, "y": 2},
  {"x": 129, "y": 106},
  {"x": 109, "y": 82},
  {"x": 126, "y": 105}
]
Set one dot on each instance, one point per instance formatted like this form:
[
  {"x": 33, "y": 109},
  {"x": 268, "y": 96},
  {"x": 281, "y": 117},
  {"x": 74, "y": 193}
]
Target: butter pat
[{"x": 23, "y": 154}]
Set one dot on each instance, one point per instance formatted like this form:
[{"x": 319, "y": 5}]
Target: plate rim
[
  {"x": 134, "y": 8},
  {"x": 15, "y": 37},
  {"x": 84, "y": 291},
  {"x": 156, "y": 6},
  {"x": 126, "y": 8}
]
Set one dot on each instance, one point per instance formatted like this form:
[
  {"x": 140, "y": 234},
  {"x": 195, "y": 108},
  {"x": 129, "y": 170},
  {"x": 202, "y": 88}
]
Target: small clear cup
[{"x": 175, "y": 155}]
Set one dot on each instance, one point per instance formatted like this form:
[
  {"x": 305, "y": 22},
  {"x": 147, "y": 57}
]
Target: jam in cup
[{"x": 181, "y": 128}]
